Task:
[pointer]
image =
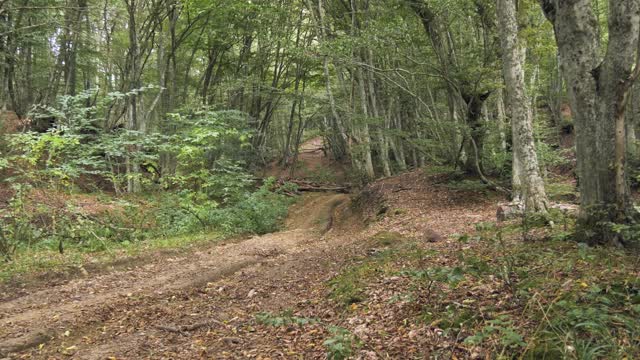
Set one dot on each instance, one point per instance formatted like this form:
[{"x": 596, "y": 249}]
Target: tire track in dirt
[{"x": 36, "y": 318}]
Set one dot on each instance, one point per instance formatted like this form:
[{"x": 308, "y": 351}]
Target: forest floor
[
  {"x": 411, "y": 267},
  {"x": 207, "y": 302}
]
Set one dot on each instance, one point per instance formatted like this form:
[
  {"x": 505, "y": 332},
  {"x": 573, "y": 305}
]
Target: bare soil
[
  {"x": 64, "y": 312},
  {"x": 203, "y": 304},
  {"x": 313, "y": 164}
]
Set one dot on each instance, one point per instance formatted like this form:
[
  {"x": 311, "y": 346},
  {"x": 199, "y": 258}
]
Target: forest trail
[
  {"x": 206, "y": 303},
  {"x": 313, "y": 164},
  {"x": 68, "y": 310}
]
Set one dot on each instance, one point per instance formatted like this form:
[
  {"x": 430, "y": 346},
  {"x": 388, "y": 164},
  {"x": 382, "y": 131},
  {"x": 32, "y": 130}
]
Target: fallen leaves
[{"x": 145, "y": 324}]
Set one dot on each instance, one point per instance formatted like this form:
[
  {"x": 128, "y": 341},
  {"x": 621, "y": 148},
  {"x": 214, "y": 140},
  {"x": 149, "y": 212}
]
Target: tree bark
[
  {"x": 598, "y": 92},
  {"x": 527, "y": 180}
]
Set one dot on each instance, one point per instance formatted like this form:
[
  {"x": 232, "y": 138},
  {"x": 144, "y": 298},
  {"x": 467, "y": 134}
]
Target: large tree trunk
[
  {"x": 631, "y": 122},
  {"x": 525, "y": 161},
  {"x": 598, "y": 94}
]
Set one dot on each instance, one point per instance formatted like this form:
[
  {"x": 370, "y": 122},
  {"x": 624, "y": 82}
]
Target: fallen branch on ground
[{"x": 309, "y": 186}]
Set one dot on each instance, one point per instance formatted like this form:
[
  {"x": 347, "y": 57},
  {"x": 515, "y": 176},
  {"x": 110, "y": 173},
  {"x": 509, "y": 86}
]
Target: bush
[
  {"x": 259, "y": 213},
  {"x": 16, "y": 224},
  {"x": 196, "y": 178}
]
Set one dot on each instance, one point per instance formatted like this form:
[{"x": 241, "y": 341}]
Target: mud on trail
[{"x": 93, "y": 317}]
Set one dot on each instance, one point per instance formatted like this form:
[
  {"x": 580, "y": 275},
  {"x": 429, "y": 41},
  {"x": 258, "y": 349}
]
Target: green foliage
[
  {"x": 210, "y": 149},
  {"x": 561, "y": 299},
  {"x": 448, "y": 275},
  {"x": 286, "y": 318},
  {"x": 386, "y": 238},
  {"x": 349, "y": 287},
  {"x": 341, "y": 344},
  {"x": 594, "y": 321},
  {"x": 16, "y": 224},
  {"x": 561, "y": 191},
  {"x": 468, "y": 185},
  {"x": 502, "y": 328},
  {"x": 210, "y": 189},
  {"x": 257, "y": 213},
  {"x": 78, "y": 147},
  {"x": 322, "y": 175}
]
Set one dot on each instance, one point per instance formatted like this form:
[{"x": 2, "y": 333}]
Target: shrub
[{"x": 341, "y": 344}]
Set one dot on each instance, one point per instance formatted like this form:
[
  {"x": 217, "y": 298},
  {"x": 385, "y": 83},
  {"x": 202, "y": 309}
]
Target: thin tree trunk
[{"x": 502, "y": 120}]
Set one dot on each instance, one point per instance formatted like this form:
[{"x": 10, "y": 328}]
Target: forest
[{"x": 319, "y": 179}]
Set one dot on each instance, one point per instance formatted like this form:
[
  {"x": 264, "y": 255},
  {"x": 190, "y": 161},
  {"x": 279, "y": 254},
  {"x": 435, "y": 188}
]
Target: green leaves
[
  {"x": 448, "y": 275},
  {"x": 284, "y": 319},
  {"x": 500, "y": 327},
  {"x": 341, "y": 344}
]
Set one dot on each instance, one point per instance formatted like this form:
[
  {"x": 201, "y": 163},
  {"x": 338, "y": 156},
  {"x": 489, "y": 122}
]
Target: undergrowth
[
  {"x": 43, "y": 237},
  {"x": 340, "y": 345},
  {"x": 349, "y": 287},
  {"x": 79, "y": 186},
  {"x": 492, "y": 293},
  {"x": 557, "y": 299}
]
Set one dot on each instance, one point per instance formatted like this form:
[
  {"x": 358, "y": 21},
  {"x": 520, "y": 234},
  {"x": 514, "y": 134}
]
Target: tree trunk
[
  {"x": 530, "y": 184},
  {"x": 365, "y": 136},
  {"x": 598, "y": 94},
  {"x": 476, "y": 135},
  {"x": 501, "y": 120},
  {"x": 631, "y": 123},
  {"x": 133, "y": 168},
  {"x": 383, "y": 146}
]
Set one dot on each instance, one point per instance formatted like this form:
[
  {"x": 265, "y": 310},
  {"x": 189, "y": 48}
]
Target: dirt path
[
  {"x": 313, "y": 164},
  {"x": 64, "y": 314},
  {"x": 205, "y": 303}
]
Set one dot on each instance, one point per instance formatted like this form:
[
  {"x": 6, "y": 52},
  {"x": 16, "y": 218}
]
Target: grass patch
[
  {"x": 470, "y": 185},
  {"x": 339, "y": 346},
  {"x": 386, "y": 238},
  {"x": 285, "y": 318},
  {"x": 436, "y": 169},
  {"x": 349, "y": 287},
  {"x": 45, "y": 256}
]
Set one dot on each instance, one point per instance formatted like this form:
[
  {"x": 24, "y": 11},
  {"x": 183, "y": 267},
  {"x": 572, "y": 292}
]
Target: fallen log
[
  {"x": 309, "y": 186},
  {"x": 339, "y": 189}
]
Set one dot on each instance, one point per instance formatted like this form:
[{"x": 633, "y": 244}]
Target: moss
[
  {"x": 386, "y": 238},
  {"x": 349, "y": 286},
  {"x": 561, "y": 191}
]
